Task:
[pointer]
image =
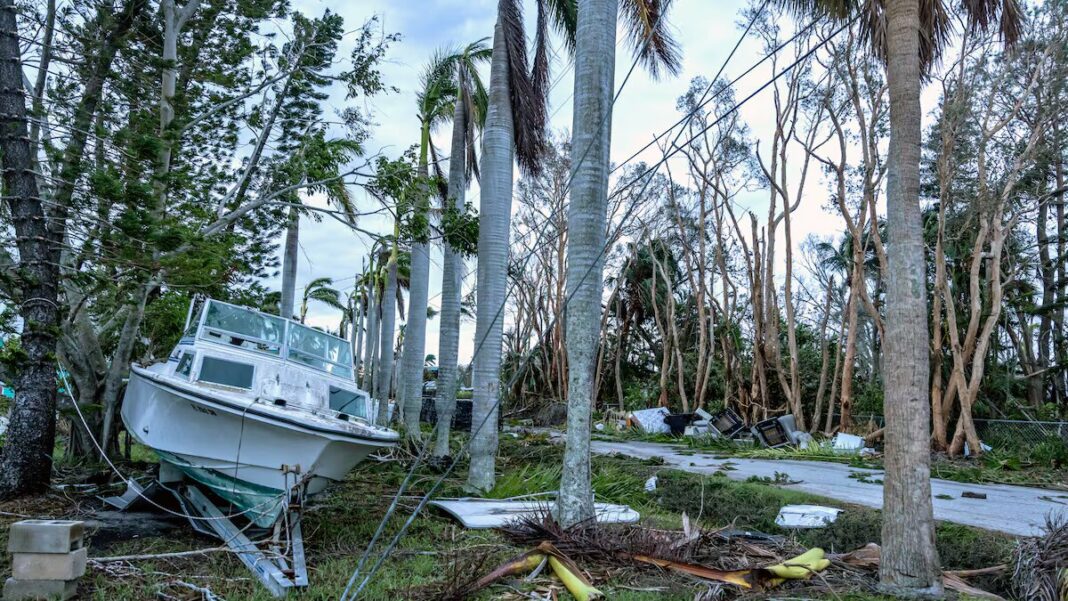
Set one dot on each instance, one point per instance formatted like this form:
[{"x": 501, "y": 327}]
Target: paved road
[{"x": 1014, "y": 510}]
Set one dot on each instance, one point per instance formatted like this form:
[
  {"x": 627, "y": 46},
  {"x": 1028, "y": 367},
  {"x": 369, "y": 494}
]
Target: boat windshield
[
  {"x": 244, "y": 328},
  {"x": 319, "y": 350},
  {"x": 348, "y": 402}
]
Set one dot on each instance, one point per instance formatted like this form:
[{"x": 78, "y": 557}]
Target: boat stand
[{"x": 281, "y": 568}]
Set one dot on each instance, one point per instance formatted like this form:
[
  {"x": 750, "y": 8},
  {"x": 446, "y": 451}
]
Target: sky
[{"x": 706, "y": 32}]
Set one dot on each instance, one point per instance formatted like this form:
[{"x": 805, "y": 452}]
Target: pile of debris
[
  {"x": 772, "y": 433},
  {"x": 726, "y": 562}
]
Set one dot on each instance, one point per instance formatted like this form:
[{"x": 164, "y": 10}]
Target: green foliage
[
  {"x": 460, "y": 228},
  {"x": 164, "y": 322}
]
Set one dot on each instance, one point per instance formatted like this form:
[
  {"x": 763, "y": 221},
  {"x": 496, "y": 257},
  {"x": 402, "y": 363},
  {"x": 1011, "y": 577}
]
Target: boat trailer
[{"x": 280, "y": 567}]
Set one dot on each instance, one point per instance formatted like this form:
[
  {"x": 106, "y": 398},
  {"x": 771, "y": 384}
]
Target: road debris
[
  {"x": 1040, "y": 565},
  {"x": 650, "y": 421},
  {"x": 806, "y": 516},
  {"x": 476, "y": 513}
]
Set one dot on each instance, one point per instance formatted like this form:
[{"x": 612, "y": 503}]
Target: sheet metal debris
[
  {"x": 806, "y": 516},
  {"x": 651, "y": 421},
  {"x": 493, "y": 513}
]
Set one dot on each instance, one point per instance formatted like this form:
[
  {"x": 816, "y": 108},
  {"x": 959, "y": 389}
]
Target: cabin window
[
  {"x": 185, "y": 364},
  {"x": 227, "y": 373},
  {"x": 243, "y": 328},
  {"x": 346, "y": 401},
  {"x": 320, "y": 350}
]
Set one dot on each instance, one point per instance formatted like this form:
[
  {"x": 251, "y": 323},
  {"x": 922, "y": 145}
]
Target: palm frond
[
  {"x": 564, "y": 14},
  {"x": 441, "y": 182},
  {"x": 319, "y": 283},
  {"x": 328, "y": 296},
  {"x": 649, "y": 35},
  {"x": 528, "y": 111},
  {"x": 1005, "y": 15},
  {"x": 437, "y": 89}
]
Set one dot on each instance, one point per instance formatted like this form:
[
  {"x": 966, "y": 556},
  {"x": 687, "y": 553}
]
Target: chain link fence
[{"x": 1004, "y": 433}]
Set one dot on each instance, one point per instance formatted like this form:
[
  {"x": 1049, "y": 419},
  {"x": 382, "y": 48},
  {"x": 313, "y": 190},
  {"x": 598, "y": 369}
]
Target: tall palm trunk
[
  {"x": 910, "y": 560},
  {"x": 26, "y": 458},
  {"x": 384, "y": 371},
  {"x": 289, "y": 264},
  {"x": 592, "y": 125},
  {"x": 410, "y": 387},
  {"x": 359, "y": 306},
  {"x": 451, "y": 289},
  {"x": 370, "y": 342},
  {"x": 495, "y": 210}
]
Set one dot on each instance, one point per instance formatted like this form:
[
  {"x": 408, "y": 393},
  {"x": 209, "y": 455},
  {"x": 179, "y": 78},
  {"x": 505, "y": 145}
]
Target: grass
[{"x": 340, "y": 522}]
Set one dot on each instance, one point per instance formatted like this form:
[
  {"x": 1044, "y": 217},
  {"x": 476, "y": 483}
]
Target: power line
[
  {"x": 388, "y": 550},
  {"x": 392, "y": 544}
]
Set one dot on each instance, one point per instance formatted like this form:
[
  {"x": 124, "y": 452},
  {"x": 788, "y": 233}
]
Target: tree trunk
[
  {"x": 495, "y": 217},
  {"x": 909, "y": 561},
  {"x": 825, "y": 357},
  {"x": 359, "y": 307},
  {"x": 26, "y": 458},
  {"x": 384, "y": 373},
  {"x": 370, "y": 343},
  {"x": 451, "y": 288},
  {"x": 592, "y": 127},
  {"x": 410, "y": 382},
  {"x": 289, "y": 264}
]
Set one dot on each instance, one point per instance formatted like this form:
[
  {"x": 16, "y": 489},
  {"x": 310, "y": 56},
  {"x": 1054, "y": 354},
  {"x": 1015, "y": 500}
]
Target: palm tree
[
  {"x": 317, "y": 159},
  {"x": 594, "y": 85},
  {"x": 319, "y": 290},
  {"x": 515, "y": 129},
  {"x": 909, "y": 39},
  {"x": 469, "y": 112},
  {"x": 437, "y": 101}
]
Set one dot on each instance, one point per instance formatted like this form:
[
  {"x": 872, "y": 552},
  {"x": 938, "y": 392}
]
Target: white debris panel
[{"x": 492, "y": 513}]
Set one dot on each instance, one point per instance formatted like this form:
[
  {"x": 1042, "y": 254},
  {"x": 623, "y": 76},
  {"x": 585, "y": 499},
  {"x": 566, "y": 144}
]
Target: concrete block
[
  {"x": 20, "y": 590},
  {"x": 49, "y": 566},
  {"x": 45, "y": 536}
]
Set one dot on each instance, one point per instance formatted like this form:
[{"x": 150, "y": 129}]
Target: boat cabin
[{"x": 248, "y": 353}]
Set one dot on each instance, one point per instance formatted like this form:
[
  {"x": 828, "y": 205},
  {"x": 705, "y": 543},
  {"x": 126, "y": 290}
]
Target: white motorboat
[{"x": 250, "y": 405}]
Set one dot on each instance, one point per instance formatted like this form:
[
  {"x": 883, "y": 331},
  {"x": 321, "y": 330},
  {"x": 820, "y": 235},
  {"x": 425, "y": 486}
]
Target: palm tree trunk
[
  {"x": 825, "y": 356},
  {"x": 289, "y": 265},
  {"x": 357, "y": 332},
  {"x": 495, "y": 209},
  {"x": 595, "y": 43},
  {"x": 410, "y": 385},
  {"x": 371, "y": 341},
  {"x": 909, "y": 560},
  {"x": 384, "y": 373},
  {"x": 451, "y": 291},
  {"x": 26, "y": 459}
]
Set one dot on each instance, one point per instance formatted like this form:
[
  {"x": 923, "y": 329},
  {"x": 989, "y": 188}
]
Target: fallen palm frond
[
  {"x": 869, "y": 555},
  {"x": 1040, "y": 565},
  {"x": 956, "y": 583},
  {"x": 605, "y": 543},
  {"x": 576, "y": 582},
  {"x": 737, "y": 577},
  {"x": 689, "y": 552}
]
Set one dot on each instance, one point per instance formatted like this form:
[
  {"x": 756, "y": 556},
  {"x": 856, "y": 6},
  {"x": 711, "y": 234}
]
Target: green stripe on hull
[{"x": 260, "y": 504}]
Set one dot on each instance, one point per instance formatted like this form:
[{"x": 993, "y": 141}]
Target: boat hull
[{"x": 232, "y": 448}]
